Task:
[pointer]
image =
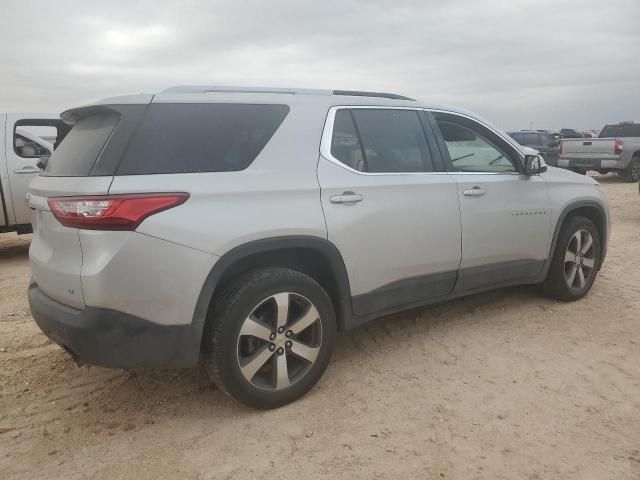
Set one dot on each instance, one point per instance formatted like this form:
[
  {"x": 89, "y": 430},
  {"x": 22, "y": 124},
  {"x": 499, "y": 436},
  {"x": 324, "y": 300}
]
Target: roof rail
[
  {"x": 226, "y": 89},
  {"x": 356, "y": 93},
  {"x": 284, "y": 91}
]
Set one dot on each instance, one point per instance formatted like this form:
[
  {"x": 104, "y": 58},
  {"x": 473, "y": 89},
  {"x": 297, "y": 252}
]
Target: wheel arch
[
  {"x": 590, "y": 209},
  {"x": 313, "y": 256}
]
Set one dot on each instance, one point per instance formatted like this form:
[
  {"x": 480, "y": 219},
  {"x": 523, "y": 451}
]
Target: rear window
[
  {"x": 626, "y": 130},
  {"x": 188, "y": 138},
  {"x": 79, "y": 150}
]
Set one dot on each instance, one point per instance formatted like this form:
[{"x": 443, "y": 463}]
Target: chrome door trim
[{"x": 327, "y": 136}]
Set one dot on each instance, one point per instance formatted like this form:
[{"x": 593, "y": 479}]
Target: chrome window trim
[{"x": 327, "y": 136}]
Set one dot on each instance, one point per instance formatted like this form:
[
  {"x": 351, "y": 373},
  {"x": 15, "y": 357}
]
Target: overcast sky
[{"x": 555, "y": 63}]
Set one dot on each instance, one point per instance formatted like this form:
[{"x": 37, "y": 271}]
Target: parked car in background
[
  {"x": 548, "y": 146},
  {"x": 617, "y": 149},
  {"x": 246, "y": 226},
  {"x": 570, "y": 133},
  {"x": 24, "y": 139}
]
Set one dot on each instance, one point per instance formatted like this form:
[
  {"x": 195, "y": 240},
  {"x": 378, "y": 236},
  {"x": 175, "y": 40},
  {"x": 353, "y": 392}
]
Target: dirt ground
[{"x": 502, "y": 385}]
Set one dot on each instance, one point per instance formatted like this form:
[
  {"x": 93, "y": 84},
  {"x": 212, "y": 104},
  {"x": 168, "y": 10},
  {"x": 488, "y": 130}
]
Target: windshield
[{"x": 624, "y": 130}]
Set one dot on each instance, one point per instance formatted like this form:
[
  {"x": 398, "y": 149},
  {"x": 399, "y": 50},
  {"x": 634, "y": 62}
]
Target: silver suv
[{"x": 246, "y": 227}]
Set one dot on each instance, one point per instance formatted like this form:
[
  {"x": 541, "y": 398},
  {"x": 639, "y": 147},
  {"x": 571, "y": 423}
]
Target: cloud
[{"x": 555, "y": 64}]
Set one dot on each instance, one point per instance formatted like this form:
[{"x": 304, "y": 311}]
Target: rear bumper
[
  {"x": 109, "y": 338},
  {"x": 592, "y": 163}
]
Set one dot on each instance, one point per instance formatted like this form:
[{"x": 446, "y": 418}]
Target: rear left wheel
[
  {"x": 270, "y": 337},
  {"x": 632, "y": 173}
]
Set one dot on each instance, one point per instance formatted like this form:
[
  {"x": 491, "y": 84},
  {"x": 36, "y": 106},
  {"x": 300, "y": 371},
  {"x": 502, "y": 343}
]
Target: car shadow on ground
[
  {"x": 148, "y": 396},
  {"x": 14, "y": 249},
  {"x": 610, "y": 178}
]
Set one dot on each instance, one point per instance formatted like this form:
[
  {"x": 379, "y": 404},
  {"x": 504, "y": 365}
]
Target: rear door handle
[
  {"x": 476, "y": 191},
  {"x": 27, "y": 170},
  {"x": 347, "y": 198}
]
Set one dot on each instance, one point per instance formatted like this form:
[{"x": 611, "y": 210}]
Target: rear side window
[
  {"x": 381, "y": 141},
  {"x": 624, "y": 130},
  {"x": 526, "y": 138},
  {"x": 79, "y": 150},
  {"x": 345, "y": 144},
  {"x": 187, "y": 138}
]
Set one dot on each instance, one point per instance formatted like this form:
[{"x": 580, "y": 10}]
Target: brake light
[
  {"x": 619, "y": 147},
  {"x": 112, "y": 212},
  {"x": 561, "y": 143}
]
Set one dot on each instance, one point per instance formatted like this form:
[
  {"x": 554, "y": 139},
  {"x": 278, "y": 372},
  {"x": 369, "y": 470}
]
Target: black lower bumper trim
[{"x": 109, "y": 338}]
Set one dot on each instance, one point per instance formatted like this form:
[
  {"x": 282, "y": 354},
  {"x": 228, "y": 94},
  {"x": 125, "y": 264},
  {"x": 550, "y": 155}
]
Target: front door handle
[
  {"x": 27, "y": 170},
  {"x": 347, "y": 198},
  {"x": 476, "y": 191}
]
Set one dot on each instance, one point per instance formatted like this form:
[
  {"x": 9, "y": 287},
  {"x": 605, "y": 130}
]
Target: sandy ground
[{"x": 499, "y": 385}]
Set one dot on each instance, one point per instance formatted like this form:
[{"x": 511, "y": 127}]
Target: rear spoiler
[
  {"x": 108, "y": 105},
  {"x": 71, "y": 116}
]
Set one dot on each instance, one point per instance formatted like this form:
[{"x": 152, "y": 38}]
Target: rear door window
[
  {"x": 345, "y": 143},
  {"x": 188, "y": 138},
  {"x": 385, "y": 141}
]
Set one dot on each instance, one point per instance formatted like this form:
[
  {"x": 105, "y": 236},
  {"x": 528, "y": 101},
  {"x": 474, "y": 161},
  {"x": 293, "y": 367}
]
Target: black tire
[
  {"x": 221, "y": 343},
  {"x": 556, "y": 283},
  {"x": 632, "y": 173}
]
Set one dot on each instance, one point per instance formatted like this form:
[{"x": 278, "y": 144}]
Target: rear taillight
[
  {"x": 112, "y": 212},
  {"x": 561, "y": 147},
  {"x": 619, "y": 147}
]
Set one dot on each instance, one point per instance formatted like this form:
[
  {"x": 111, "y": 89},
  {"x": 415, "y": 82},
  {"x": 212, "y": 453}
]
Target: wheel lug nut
[
  {"x": 272, "y": 336},
  {"x": 288, "y": 343},
  {"x": 280, "y": 351},
  {"x": 289, "y": 333},
  {"x": 272, "y": 347},
  {"x": 281, "y": 329}
]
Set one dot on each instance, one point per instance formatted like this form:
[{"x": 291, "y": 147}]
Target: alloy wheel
[
  {"x": 579, "y": 260},
  {"x": 279, "y": 341},
  {"x": 635, "y": 170}
]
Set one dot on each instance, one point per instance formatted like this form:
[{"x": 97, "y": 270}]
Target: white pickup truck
[
  {"x": 617, "y": 149},
  {"x": 24, "y": 139}
]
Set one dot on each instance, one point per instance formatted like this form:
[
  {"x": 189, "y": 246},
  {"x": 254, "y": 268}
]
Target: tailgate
[
  {"x": 82, "y": 164},
  {"x": 588, "y": 148},
  {"x": 55, "y": 253}
]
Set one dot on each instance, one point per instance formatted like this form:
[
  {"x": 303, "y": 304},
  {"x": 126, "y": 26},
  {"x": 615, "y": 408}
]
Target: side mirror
[
  {"x": 42, "y": 162},
  {"x": 534, "y": 164}
]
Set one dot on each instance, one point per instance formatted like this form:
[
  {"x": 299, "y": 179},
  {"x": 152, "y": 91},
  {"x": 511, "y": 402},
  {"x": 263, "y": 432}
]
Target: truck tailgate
[{"x": 589, "y": 148}]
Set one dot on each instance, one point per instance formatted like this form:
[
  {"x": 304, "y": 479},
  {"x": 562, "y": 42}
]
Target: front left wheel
[
  {"x": 575, "y": 262},
  {"x": 270, "y": 337}
]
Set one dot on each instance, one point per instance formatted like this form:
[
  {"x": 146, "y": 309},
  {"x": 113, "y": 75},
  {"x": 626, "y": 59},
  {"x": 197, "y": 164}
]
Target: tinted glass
[
  {"x": 186, "y": 138},
  {"x": 546, "y": 140},
  {"x": 526, "y": 138},
  {"x": 345, "y": 144},
  {"x": 393, "y": 141},
  {"x": 470, "y": 151},
  {"x": 79, "y": 150},
  {"x": 627, "y": 130}
]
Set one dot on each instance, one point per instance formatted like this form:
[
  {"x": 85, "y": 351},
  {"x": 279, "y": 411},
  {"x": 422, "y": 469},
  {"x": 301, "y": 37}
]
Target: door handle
[
  {"x": 27, "y": 170},
  {"x": 347, "y": 198},
  {"x": 476, "y": 191}
]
